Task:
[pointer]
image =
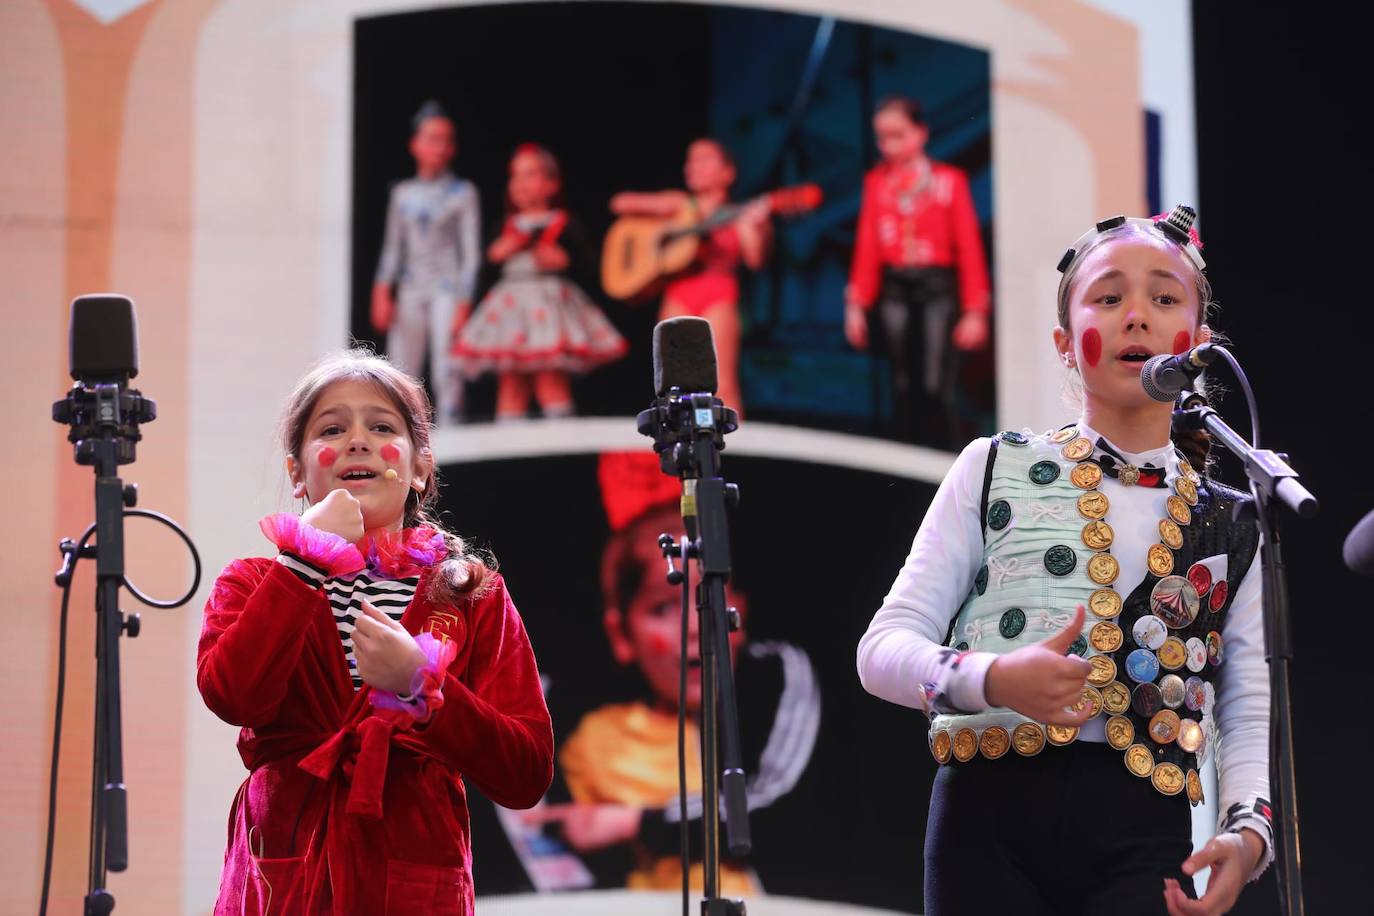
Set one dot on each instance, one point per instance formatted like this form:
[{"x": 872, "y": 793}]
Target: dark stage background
[{"x": 1281, "y": 171}]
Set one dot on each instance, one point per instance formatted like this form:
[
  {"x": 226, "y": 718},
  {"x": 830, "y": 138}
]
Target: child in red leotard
[{"x": 709, "y": 288}]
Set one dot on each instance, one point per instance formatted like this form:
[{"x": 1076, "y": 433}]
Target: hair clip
[{"x": 1177, "y": 227}]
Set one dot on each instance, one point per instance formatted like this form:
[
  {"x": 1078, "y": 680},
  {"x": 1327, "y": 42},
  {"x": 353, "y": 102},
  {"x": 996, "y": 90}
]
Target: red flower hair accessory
[{"x": 631, "y": 484}]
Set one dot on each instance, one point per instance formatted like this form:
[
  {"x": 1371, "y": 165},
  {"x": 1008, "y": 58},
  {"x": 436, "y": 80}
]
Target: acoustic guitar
[{"x": 641, "y": 251}]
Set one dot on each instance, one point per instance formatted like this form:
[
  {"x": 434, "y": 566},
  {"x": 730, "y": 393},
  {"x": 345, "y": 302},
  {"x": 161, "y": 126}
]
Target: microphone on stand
[
  {"x": 1359, "y": 547},
  {"x": 1164, "y": 376},
  {"x": 684, "y": 356}
]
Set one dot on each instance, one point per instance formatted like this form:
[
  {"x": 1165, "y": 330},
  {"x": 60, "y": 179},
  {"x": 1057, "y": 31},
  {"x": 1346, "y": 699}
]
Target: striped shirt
[{"x": 346, "y": 594}]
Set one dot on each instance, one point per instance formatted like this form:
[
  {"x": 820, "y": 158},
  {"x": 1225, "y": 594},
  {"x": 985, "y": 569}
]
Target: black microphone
[
  {"x": 104, "y": 339},
  {"x": 684, "y": 356},
  {"x": 1164, "y": 376},
  {"x": 103, "y": 357},
  {"x": 1359, "y": 547}
]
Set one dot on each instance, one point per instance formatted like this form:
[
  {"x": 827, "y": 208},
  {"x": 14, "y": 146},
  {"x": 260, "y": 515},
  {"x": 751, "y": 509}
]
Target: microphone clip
[{"x": 679, "y": 422}]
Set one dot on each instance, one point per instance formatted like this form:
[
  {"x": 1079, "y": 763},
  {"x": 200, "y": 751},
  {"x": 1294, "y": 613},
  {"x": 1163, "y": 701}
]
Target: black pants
[
  {"x": 913, "y": 318},
  {"x": 1069, "y": 831}
]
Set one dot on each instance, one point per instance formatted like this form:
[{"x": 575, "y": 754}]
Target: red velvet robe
[{"x": 348, "y": 810}]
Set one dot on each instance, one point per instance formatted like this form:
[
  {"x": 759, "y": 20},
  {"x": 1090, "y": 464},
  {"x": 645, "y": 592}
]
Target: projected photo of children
[{"x": 819, "y": 190}]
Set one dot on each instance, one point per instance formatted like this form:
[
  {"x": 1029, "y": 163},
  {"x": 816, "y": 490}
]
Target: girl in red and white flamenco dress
[{"x": 536, "y": 326}]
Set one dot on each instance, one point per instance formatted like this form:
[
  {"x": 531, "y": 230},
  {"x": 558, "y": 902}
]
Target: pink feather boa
[{"x": 323, "y": 549}]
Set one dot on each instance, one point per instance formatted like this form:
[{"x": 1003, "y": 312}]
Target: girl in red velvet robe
[{"x": 374, "y": 664}]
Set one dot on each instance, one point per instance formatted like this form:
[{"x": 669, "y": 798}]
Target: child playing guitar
[{"x": 709, "y": 288}]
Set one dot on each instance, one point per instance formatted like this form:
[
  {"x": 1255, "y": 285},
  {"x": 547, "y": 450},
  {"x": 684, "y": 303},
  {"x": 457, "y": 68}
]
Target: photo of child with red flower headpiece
[{"x": 619, "y": 763}]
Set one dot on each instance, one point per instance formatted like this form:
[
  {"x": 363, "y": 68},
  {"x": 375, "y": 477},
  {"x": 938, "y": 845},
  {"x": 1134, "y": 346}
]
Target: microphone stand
[
  {"x": 104, "y": 419},
  {"x": 689, "y": 432},
  {"x": 1270, "y": 477}
]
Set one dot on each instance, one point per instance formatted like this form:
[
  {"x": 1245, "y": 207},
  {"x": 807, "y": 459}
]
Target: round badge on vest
[
  {"x": 1078, "y": 449},
  {"x": 1175, "y": 601},
  {"x": 1214, "y": 647},
  {"x": 1164, "y": 726},
  {"x": 1085, "y": 476},
  {"x": 1194, "y": 693},
  {"x": 1146, "y": 701},
  {"x": 1159, "y": 559},
  {"x": 1171, "y": 689},
  {"x": 1103, "y": 568},
  {"x": 1103, "y": 670},
  {"x": 1209, "y": 740},
  {"x": 965, "y": 745},
  {"x": 1197, "y": 653},
  {"x": 1106, "y": 637},
  {"x": 1045, "y": 473},
  {"x": 1167, "y": 778},
  {"x": 995, "y": 742},
  {"x": 1093, "y": 505},
  {"x": 1060, "y": 560},
  {"x": 1138, "y": 760},
  {"x": 1178, "y": 510},
  {"x": 1172, "y": 654},
  {"x": 1201, "y": 577},
  {"x": 1116, "y": 699},
  {"x": 1149, "y": 633},
  {"x": 1028, "y": 739},
  {"x": 1194, "y": 785},
  {"x": 1190, "y": 735},
  {"x": 1104, "y": 602},
  {"x": 1120, "y": 732}
]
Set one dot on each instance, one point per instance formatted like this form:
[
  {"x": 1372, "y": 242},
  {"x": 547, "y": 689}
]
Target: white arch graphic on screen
[{"x": 592, "y": 435}]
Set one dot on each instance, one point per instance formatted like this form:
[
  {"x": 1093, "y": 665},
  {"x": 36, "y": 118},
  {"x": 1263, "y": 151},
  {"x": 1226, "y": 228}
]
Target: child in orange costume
[{"x": 620, "y": 762}]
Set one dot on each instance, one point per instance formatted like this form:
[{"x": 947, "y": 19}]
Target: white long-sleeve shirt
[{"x": 904, "y": 649}]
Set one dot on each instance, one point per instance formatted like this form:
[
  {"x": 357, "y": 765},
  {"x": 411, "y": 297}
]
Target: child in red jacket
[
  {"x": 919, "y": 276},
  {"x": 373, "y": 664}
]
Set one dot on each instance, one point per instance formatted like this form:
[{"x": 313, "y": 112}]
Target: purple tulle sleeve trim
[
  {"x": 427, "y": 685},
  {"x": 323, "y": 549}
]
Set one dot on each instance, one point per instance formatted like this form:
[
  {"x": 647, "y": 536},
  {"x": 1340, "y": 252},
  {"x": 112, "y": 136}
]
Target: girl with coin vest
[{"x": 1080, "y": 617}]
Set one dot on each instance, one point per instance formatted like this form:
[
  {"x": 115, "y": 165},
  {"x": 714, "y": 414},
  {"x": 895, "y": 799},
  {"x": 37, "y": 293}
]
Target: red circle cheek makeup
[
  {"x": 1182, "y": 341},
  {"x": 1092, "y": 346},
  {"x": 326, "y": 457},
  {"x": 390, "y": 453}
]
